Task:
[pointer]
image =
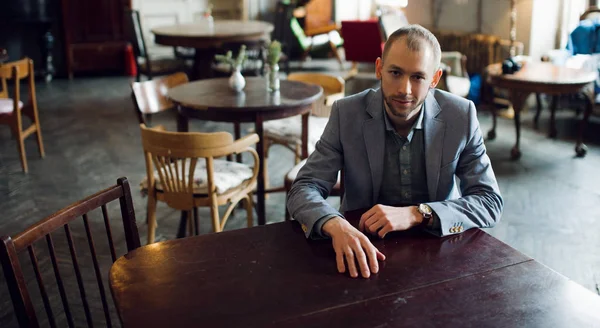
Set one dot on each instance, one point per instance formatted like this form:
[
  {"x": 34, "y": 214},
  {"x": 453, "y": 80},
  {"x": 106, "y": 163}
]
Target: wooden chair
[
  {"x": 12, "y": 108},
  {"x": 455, "y": 78},
  {"x": 187, "y": 174},
  {"x": 150, "y": 97},
  {"x": 144, "y": 64},
  {"x": 288, "y": 132},
  {"x": 24, "y": 242}
]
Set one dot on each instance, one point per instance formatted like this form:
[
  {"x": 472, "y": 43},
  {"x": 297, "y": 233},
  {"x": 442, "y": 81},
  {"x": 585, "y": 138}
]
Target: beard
[{"x": 398, "y": 110}]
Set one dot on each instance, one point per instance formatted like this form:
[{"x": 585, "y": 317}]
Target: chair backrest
[
  {"x": 592, "y": 13},
  {"x": 134, "y": 33},
  {"x": 150, "y": 97},
  {"x": 175, "y": 156},
  {"x": 362, "y": 40},
  {"x": 17, "y": 71},
  {"x": 11, "y": 247},
  {"x": 392, "y": 21},
  {"x": 333, "y": 89}
]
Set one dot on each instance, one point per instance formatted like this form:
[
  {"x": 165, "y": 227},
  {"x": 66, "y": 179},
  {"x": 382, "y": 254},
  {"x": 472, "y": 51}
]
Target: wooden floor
[{"x": 552, "y": 210}]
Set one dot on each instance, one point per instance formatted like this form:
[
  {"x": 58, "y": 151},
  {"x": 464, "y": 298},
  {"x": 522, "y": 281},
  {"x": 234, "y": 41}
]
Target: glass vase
[{"x": 272, "y": 74}]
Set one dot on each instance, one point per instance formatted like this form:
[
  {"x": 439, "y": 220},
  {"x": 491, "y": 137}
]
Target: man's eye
[
  {"x": 395, "y": 73},
  {"x": 418, "y": 77}
]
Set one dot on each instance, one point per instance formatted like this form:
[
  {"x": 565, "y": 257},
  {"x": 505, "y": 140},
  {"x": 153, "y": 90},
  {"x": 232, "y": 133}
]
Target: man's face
[{"x": 406, "y": 77}]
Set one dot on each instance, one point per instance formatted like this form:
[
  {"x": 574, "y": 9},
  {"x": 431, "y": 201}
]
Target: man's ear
[
  {"x": 436, "y": 78},
  {"x": 378, "y": 67}
]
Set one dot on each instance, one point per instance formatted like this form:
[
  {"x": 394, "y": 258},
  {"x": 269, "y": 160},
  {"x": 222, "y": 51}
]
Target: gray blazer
[{"x": 354, "y": 139}]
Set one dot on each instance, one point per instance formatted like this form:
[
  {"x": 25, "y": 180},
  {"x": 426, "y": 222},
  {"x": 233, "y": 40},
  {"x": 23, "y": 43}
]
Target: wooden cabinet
[{"x": 94, "y": 35}]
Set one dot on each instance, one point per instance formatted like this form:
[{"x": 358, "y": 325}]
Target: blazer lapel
[
  {"x": 434, "y": 129},
  {"x": 374, "y": 135}
]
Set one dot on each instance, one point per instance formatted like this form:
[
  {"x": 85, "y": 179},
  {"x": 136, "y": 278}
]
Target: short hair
[{"x": 415, "y": 35}]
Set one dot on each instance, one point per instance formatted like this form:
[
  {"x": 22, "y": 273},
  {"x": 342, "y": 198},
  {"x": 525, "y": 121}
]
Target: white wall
[{"x": 545, "y": 27}]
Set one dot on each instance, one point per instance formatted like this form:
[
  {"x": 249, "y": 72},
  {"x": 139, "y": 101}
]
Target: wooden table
[
  {"x": 271, "y": 276},
  {"x": 207, "y": 41},
  {"x": 543, "y": 78},
  {"x": 213, "y": 100}
]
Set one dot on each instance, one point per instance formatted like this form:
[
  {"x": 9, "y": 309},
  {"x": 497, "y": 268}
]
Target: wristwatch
[{"x": 427, "y": 213}]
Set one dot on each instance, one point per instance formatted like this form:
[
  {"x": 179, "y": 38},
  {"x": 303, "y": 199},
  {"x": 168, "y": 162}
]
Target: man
[{"x": 401, "y": 147}]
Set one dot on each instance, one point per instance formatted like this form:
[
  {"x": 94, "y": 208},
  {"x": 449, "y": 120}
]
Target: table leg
[
  {"x": 238, "y": 134},
  {"x": 590, "y": 96},
  {"x": 260, "y": 188},
  {"x": 305, "y": 135},
  {"x": 517, "y": 98},
  {"x": 203, "y": 59},
  {"x": 538, "y": 111},
  {"x": 182, "y": 123},
  {"x": 552, "y": 134}
]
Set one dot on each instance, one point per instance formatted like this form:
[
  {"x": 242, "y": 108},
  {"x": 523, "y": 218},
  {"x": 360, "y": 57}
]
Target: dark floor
[{"x": 91, "y": 134}]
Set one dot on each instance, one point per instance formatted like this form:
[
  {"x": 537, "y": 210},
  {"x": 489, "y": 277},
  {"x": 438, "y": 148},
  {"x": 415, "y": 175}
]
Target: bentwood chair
[
  {"x": 188, "y": 175},
  {"x": 70, "y": 265}
]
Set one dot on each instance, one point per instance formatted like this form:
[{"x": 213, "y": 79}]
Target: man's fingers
[
  {"x": 365, "y": 217},
  {"x": 339, "y": 258},
  {"x": 349, "y": 254},
  {"x": 361, "y": 258},
  {"x": 375, "y": 224},
  {"x": 380, "y": 255},
  {"x": 372, "y": 254},
  {"x": 386, "y": 228}
]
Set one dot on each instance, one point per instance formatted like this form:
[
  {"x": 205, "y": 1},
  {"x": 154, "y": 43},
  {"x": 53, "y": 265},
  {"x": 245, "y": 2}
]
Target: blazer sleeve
[
  {"x": 306, "y": 198},
  {"x": 480, "y": 204}
]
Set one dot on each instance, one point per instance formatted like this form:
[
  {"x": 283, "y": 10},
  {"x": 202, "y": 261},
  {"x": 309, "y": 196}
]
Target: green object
[
  {"x": 274, "y": 52},
  {"x": 235, "y": 63}
]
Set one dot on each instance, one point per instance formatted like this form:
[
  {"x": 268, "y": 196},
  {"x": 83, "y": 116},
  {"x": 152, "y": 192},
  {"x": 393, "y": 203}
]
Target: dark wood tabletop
[
  {"x": 214, "y": 100},
  {"x": 546, "y": 78},
  {"x": 272, "y": 276},
  {"x": 207, "y": 41}
]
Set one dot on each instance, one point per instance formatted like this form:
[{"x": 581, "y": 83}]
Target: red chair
[{"x": 363, "y": 42}]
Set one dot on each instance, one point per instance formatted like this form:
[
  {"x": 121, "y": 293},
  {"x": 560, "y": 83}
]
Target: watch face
[{"x": 425, "y": 209}]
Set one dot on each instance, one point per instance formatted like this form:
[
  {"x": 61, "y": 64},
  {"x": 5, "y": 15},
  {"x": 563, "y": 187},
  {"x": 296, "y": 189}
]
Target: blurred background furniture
[
  {"x": 288, "y": 131},
  {"x": 12, "y": 109},
  {"x": 455, "y": 78},
  {"x": 363, "y": 42},
  {"x": 145, "y": 65},
  {"x": 182, "y": 171},
  {"x": 253, "y": 65},
  {"x": 89, "y": 45},
  {"x": 150, "y": 97}
]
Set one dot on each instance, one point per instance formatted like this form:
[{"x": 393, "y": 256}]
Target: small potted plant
[
  {"x": 272, "y": 68},
  {"x": 236, "y": 80}
]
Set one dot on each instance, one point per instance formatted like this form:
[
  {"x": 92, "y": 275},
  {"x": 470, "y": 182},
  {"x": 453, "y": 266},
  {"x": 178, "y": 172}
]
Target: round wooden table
[
  {"x": 207, "y": 41},
  {"x": 543, "y": 78},
  {"x": 213, "y": 100}
]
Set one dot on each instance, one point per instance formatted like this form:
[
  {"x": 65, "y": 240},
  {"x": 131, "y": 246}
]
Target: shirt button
[
  {"x": 403, "y": 147},
  {"x": 406, "y": 194},
  {"x": 405, "y": 172}
]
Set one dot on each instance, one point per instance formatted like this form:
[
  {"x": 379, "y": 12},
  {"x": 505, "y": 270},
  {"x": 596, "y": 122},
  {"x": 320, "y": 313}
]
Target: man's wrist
[{"x": 332, "y": 226}]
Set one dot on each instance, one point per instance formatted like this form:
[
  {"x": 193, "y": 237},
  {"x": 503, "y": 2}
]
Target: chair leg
[
  {"x": 538, "y": 111},
  {"x": 21, "y": 147},
  {"x": 190, "y": 225},
  {"x": 249, "y": 207},
  {"x": 182, "y": 224},
  {"x": 151, "y": 217},
  {"x": 214, "y": 214},
  {"x": 38, "y": 132},
  {"x": 336, "y": 53},
  {"x": 196, "y": 224}
]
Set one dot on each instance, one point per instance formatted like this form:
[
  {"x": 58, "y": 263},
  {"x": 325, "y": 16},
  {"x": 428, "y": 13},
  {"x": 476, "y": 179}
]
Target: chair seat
[
  {"x": 7, "y": 105},
  {"x": 459, "y": 85},
  {"x": 163, "y": 65},
  {"x": 293, "y": 173},
  {"x": 227, "y": 175},
  {"x": 289, "y": 130}
]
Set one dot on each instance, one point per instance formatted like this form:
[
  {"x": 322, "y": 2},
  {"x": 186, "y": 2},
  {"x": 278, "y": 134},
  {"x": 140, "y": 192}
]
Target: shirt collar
[{"x": 418, "y": 125}]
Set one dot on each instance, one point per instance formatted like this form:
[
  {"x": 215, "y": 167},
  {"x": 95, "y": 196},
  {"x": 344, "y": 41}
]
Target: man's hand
[
  {"x": 381, "y": 219},
  {"x": 351, "y": 244}
]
